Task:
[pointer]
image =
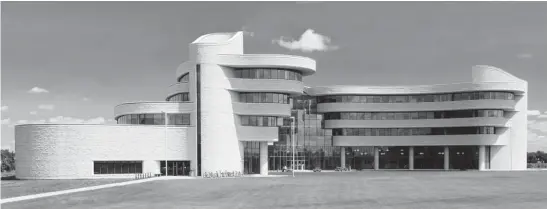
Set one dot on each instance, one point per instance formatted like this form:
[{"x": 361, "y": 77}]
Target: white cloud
[
  {"x": 6, "y": 121},
  {"x": 525, "y": 56},
  {"x": 85, "y": 99},
  {"x": 22, "y": 121},
  {"x": 46, "y": 107},
  {"x": 538, "y": 126},
  {"x": 309, "y": 41},
  {"x": 70, "y": 120},
  {"x": 533, "y": 112},
  {"x": 37, "y": 90},
  {"x": 33, "y": 112},
  {"x": 537, "y": 130},
  {"x": 4, "y": 108}
]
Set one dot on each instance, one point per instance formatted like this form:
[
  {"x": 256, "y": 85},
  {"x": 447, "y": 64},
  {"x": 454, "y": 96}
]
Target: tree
[
  {"x": 535, "y": 157},
  {"x": 8, "y": 160}
]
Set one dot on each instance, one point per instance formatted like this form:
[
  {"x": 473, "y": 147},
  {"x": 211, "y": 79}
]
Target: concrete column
[
  {"x": 411, "y": 158},
  {"x": 342, "y": 157},
  {"x": 376, "y": 158},
  {"x": 446, "y": 158},
  {"x": 263, "y": 158},
  {"x": 482, "y": 157}
]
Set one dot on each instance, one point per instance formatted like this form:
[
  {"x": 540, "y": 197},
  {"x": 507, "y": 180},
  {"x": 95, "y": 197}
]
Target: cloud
[
  {"x": 70, "y": 120},
  {"x": 37, "y": 90},
  {"x": 46, "y": 107},
  {"x": 533, "y": 112},
  {"x": 6, "y": 121},
  {"x": 33, "y": 112},
  {"x": 4, "y": 108},
  {"x": 537, "y": 130},
  {"x": 538, "y": 126},
  {"x": 525, "y": 56},
  {"x": 309, "y": 41},
  {"x": 85, "y": 99}
]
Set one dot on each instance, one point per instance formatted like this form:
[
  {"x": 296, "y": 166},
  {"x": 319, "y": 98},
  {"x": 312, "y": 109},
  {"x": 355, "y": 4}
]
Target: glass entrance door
[{"x": 175, "y": 168}]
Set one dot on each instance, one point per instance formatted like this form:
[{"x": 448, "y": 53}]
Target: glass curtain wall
[
  {"x": 251, "y": 158},
  {"x": 393, "y": 157},
  {"x": 360, "y": 158},
  {"x": 464, "y": 157},
  {"x": 313, "y": 143},
  {"x": 429, "y": 157}
]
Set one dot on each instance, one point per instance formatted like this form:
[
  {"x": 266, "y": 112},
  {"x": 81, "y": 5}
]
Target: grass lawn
[
  {"x": 381, "y": 189},
  {"x": 15, "y": 188}
]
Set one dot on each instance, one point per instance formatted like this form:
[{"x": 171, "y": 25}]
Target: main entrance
[{"x": 175, "y": 168}]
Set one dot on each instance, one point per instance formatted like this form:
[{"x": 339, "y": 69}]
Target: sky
[{"x": 72, "y": 62}]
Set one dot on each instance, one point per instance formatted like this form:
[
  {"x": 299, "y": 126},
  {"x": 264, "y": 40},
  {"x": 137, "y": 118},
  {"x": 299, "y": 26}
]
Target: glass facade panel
[
  {"x": 416, "y": 98},
  {"x": 270, "y": 121},
  {"x": 464, "y": 157},
  {"x": 117, "y": 167},
  {"x": 267, "y": 73},
  {"x": 429, "y": 157},
  {"x": 393, "y": 157},
  {"x": 413, "y": 131},
  {"x": 180, "y": 97},
  {"x": 155, "y": 119},
  {"x": 262, "y": 97},
  {"x": 185, "y": 78},
  {"x": 412, "y": 115}
]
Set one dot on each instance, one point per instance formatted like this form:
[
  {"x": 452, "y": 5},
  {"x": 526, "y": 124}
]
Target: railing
[
  {"x": 144, "y": 175},
  {"x": 222, "y": 174}
]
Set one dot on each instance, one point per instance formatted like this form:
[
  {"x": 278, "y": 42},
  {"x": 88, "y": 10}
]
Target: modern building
[{"x": 231, "y": 111}]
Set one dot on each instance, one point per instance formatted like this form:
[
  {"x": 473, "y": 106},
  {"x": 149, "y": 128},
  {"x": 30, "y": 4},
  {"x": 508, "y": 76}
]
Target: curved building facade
[
  {"x": 230, "y": 111},
  {"x": 220, "y": 115},
  {"x": 476, "y": 125}
]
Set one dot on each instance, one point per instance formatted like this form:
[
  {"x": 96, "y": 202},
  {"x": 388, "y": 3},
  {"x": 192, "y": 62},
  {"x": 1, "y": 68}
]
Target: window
[
  {"x": 258, "y": 120},
  {"x": 184, "y": 78},
  {"x": 180, "y": 97},
  {"x": 117, "y": 167}
]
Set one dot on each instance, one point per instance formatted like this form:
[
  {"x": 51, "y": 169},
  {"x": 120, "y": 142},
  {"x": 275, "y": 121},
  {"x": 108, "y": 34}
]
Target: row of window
[
  {"x": 180, "y": 97},
  {"x": 416, "y": 98},
  {"x": 412, "y": 131},
  {"x": 184, "y": 78},
  {"x": 268, "y": 73},
  {"x": 247, "y": 120},
  {"x": 117, "y": 167},
  {"x": 261, "y": 97},
  {"x": 412, "y": 115},
  {"x": 155, "y": 119}
]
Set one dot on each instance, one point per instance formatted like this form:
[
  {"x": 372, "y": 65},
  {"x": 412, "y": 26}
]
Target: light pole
[
  {"x": 292, "y": 142},
  {"x": 165, "y": 137}
]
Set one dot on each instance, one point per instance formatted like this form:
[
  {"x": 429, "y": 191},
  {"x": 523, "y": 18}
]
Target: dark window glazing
[
  {"x": 155, "y": 119},
  {"x": 117, "y": 167},
  {"x": 184, "y": 78},
  {"x": 249, "y": 120},
  {"x": 180, "y": 97},
  {"x": 412, "y": 131},
  {"x": 261, "y": 97},
  {"x": 412, "y": 115},
  {"x": 416, "y": 98},
  {"x": 268, "y": 73}
]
